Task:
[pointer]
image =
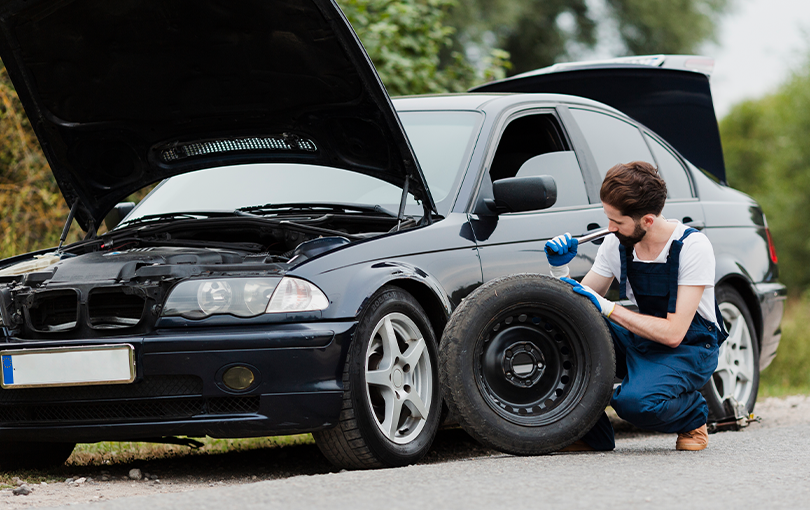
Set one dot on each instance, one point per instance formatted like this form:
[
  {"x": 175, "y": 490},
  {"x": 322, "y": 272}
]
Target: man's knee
[{"x": 639, "y": 409}]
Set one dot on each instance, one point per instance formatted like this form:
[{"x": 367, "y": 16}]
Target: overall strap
[
  {"x": 674, "y": 265},
  {"x": 624, "y": 253},
  {"x": 720, "y": 322}
]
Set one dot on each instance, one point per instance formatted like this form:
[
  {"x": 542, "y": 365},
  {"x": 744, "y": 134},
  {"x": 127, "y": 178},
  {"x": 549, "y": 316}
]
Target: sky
[{"x": 759, "y": 44}]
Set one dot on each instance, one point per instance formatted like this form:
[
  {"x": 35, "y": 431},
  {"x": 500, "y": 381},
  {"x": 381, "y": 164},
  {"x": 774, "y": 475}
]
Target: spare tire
[{"x": 526, "y": 364}]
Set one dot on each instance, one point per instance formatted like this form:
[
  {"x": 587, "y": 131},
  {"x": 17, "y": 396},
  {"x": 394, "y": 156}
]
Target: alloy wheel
[
  {"x": 734, "y": 376},
  {"x": 399, "y": 378}
]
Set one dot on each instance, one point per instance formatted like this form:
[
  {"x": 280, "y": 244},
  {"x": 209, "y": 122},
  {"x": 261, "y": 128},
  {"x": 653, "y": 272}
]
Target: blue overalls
[{"x": 660, "y": 387}]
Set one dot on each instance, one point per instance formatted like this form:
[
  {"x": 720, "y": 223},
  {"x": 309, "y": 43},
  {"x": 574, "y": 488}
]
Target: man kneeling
[{"x": 667, "y": 351}]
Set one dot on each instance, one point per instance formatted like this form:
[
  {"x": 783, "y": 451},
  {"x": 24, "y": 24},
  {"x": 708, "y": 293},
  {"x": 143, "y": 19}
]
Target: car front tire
[{"x": 391, "y": 399}]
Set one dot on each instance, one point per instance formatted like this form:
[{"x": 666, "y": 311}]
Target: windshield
[{"x": 442, "y": 142}]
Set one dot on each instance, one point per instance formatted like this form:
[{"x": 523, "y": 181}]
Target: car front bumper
[{"x": 179, "y": 390}]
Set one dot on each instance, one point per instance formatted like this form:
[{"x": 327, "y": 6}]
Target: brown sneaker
[
  {"x": 577, "y": 446},
  {"x": 693, "y": 440}
]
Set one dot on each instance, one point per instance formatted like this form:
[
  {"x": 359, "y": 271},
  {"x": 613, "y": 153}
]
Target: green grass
[
  {"x": 789, "y": 373},
  {"x": 112, "y": 452},
  {"x": 91, "y": 459}
]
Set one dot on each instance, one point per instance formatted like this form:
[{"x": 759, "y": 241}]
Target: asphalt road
[{"x": 756, "y": 468}]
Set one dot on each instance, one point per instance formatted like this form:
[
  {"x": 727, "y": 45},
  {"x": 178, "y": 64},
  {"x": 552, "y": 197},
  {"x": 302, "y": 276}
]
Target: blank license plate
[{"x": 69, "y": 366}]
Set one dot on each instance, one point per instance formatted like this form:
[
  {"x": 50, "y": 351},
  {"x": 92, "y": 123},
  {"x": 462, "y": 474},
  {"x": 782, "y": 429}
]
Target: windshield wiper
[
  {"x": 315, "y": 207},
  {"x": 194, "y": 215}
]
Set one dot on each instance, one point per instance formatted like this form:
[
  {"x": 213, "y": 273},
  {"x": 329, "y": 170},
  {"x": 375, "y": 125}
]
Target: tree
[
  {"x": 538, "y": 33},
  {"x": 32, "y": 211},
  {"x": 767, "y": 156},
  {"x": 405, "y": 38}
]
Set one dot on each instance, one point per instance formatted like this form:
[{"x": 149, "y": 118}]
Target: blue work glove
[
  {"x": 559, "y": 252},
  {"x": 605, "y": 306}
]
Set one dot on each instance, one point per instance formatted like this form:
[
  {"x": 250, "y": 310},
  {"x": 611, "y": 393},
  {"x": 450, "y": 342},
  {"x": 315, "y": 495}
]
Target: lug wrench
[{"x": 593, "y": 236}]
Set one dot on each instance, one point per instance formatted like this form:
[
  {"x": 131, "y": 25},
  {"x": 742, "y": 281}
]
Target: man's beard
[{"x": 631, "y": 240}]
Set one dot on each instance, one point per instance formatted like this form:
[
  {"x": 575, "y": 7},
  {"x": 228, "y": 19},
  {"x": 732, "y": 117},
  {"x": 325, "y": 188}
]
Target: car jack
[{"x": 741, "y": 418}]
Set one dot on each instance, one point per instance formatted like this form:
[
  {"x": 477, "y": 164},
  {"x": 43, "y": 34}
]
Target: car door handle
[{"x": 689, "y": 222}]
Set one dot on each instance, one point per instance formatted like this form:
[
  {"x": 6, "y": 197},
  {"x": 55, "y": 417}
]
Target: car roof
[{"x": 491, "y": 102}]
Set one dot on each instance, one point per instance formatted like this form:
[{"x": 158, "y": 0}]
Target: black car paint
[{"x": 441, "y": 263}]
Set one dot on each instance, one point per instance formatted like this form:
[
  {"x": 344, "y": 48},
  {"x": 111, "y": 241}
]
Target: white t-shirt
[{"x": 696, "y": 265}]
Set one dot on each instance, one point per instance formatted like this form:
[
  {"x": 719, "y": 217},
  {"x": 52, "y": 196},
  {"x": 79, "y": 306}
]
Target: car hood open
[
  {"x": 124, "y": 93},
  {"x": 675, "y": 103}
]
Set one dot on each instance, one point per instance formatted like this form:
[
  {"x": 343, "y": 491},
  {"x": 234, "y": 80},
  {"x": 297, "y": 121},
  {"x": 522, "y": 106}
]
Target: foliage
[
  {"x": 405, "y": 38},
  {"x": 666, "y": 26},
  {"x": 788, "y": 373},
  {"x": 538, "y": 33},
  {"x": 32, "y": 211},
  {"x": 767, "y": 156}
]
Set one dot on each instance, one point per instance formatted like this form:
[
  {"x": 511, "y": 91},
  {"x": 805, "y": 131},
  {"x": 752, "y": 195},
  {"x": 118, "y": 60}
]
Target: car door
[
  {"x": 536, "y": 142},
  {"x": 613, "y": 139}
]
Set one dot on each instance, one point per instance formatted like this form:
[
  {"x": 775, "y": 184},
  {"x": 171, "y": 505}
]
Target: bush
[
  {"x": 767, "y": 156},
  {"x": 789, "y": 373},
  {"x": 32, "y": 210}
]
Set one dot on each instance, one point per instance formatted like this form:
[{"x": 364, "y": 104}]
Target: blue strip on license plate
[{"x": 8, "y": 370}]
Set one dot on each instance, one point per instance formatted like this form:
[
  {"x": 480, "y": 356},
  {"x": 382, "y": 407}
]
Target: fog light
[{"x": 238, "y": 378}]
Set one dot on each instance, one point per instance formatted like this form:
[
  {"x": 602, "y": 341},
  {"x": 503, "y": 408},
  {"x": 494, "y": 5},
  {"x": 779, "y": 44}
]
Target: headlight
[{"x": 243, "y": 297}]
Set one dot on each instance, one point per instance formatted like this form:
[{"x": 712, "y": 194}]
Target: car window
[
  {"x": 671, "y": 170},
  {"x": 524, "y": 138},
  {"x": 231, "y": 187},
  {"x": 534, "y": 145},
  {"x": 611, "y": 139},
  {"x": 564, "y": 168},
  {"x": 442, "y": 142}
]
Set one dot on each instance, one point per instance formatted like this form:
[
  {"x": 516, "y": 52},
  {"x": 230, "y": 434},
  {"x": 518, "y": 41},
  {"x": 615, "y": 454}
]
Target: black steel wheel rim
[{"x": 531, "y": 365}]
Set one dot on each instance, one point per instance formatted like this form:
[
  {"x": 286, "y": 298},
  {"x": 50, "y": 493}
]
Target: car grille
[
  {"x": 108, "y": 308},
  {"x": 112, "y": 308},
  {"x": 154, "y": 398},
  {"x": 54, "y": 311}
]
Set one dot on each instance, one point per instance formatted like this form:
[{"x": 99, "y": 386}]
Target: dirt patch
[{"x": 181, "y": 470}]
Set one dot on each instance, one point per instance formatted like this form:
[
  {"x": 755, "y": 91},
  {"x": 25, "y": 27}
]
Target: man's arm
[
  {"x": 597, "y": 282},
  {"x": 669, "y": 331}
]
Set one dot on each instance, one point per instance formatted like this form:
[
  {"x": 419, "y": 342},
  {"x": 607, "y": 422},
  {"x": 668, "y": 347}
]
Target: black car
[{"x": 310, "y": 238}]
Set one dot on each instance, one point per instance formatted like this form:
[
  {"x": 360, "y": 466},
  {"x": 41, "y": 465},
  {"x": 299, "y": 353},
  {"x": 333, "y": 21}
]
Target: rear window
[{"x": 611, "y": 140}]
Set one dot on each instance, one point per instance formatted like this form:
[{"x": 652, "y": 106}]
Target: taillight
[{"x": 771, "y": 247}]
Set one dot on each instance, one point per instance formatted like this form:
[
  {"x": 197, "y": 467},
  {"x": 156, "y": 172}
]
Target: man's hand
[
  {"x": 559, "y": 252},
  {"x": 605, "y": 306}
]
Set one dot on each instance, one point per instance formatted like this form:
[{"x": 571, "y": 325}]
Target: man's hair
[{"x": 635, "y": 189}]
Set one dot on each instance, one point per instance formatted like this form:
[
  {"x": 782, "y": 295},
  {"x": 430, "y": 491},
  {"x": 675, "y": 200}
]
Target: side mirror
[
  {"x": 520, "y": 194},
  {"x": 118, "y": 213}
]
